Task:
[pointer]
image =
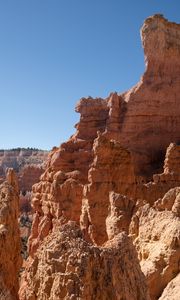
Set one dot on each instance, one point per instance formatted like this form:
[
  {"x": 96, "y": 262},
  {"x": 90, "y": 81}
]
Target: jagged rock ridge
[{"x": 99, "y": 179}]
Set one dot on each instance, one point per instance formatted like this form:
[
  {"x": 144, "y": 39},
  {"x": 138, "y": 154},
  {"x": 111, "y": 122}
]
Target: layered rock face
[
  {"x": 67, "y": 267},
  {"x": 111, "y": 170},
  {"x": 10, "y": 248},
  {"x": 152, "y": 119},
  {"x": 146, "y": 119},
  {"x": 100, "y": 179},
  {"x": 28, "y": 164},
  {"x": 28, "y": 176}
]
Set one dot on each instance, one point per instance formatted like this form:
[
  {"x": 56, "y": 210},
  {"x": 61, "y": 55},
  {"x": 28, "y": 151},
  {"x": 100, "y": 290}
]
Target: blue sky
[{"x": 53, "y": 52}]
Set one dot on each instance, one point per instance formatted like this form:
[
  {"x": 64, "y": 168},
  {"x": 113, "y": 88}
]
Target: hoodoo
[
  {"x": 10, "y": 247},
  {"x": 118, "y": 175}
]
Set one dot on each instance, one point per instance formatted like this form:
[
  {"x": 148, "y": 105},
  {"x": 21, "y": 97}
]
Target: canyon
[
  {"x": 28, "y": 163},
  {"x": 106, "y": 210}
]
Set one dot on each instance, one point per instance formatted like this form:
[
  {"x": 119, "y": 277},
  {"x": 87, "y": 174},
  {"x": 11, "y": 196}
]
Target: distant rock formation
[
  {"x": 28, "y": 176},
  {"x": 29, "y": 164},
  {"x": 109, "y": 179},
  {"x": 10, "y": 248}
]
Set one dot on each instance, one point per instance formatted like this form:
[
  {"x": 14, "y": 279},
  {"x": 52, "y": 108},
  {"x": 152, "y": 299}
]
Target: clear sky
[{"x": 53, "y": 52}]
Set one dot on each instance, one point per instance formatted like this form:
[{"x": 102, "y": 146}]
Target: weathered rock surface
[
  {"x": 146, "y": 119},
  {"x": 28, "y": 176},
  {"x": 28, "y": 164},
  {"x": 156, "y": 232},
  {"x": 152, "y": 119},
  {"x": 120, "y": 213},
  {"x": 75, "y": 171},
  {"x": 172, "y": 291},
  {"x": 162, "y": 182},
  {"x": 10, "y": 259},
  {"x": 111, "y": 170},
  {"x": 101, "y": 178},
  {"x": 67, "y": 267}
]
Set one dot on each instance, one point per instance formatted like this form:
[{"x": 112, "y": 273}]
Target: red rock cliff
[
  {"x": 139, "y": 120},
  {"x": 99, "y": 177}
]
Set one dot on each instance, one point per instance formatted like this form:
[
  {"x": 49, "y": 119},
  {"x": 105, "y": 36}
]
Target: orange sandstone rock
[
  {"x": 28, "y": 176},
  {"x": 172, "y": 290},
  {"x": 111, "y": 170},
  {"x": 29, "y": 164},
  {"x": 156, "y": 232},
  {"x": 101, "y": 178},
  {"x": 135, "y": 124},
  {"x": 152, "y": 117},
  {"x": 10, "y": 258},
  {"x": 67, "y": 267}
]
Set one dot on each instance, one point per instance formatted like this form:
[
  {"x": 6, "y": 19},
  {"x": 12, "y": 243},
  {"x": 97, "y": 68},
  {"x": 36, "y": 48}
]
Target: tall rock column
[
  {"x": 112, "y": 170},
  {"x": 10, "y": 248}
]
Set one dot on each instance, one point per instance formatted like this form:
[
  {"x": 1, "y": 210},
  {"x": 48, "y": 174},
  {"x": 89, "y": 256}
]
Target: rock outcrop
[
  {"x": 111, "y": 170},
  {"x": 156, "y": 232},
  {"x": 102, "y": 179},
  {"x": 28, "y": 176},
  {"x": 145, "y": 119},
  {"x": 10, "y": 248},
  {"x": 28, "y": 164},
  {"x": 172, "y": 290},
  {"x": 162, "y": 182},
  {"x": 89, "y": 166},
  {"x": 67, "y": 267}
]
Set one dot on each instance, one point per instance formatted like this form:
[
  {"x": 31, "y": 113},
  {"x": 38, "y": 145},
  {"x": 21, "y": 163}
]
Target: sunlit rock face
[
  {"x": 67, "y": 267},
  {"x": 29, "y": 164},
  {"x": 10, "y": 248},
  {"x": 111, "y": 170},
  {"x": 156, "y": 233},
  {"x": 102, "y": 180},
  {"x": 127, "y": 123},
  {"x": 152, "y": 118},
  {"x": 145, "y": 119},
  {"x": 172, "y": 290}
]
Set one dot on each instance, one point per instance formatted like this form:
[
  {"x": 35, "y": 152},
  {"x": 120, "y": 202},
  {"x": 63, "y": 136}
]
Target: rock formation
[
  {"x": 28, "y": 164},
  {"x": 111, "y": 170},
  {"x": 172, "y": 290},
  {"x": 146, "y": 119},
  {"x": 10, "y": 259},
  {"x": 162, "y": 182},
  {"x": 156, "y": 232},
  {"x": 67, "y": 267},
  {"x": 102, "y": 179},
  {"x": 28, "y": 176}
]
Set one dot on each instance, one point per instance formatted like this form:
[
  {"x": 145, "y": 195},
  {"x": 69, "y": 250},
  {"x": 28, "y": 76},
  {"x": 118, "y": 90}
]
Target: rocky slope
[
  {"x": 10, "y": 248},
  {"x": 77, "y": 270},
  {"x": 102, "y": 179}
]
